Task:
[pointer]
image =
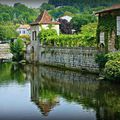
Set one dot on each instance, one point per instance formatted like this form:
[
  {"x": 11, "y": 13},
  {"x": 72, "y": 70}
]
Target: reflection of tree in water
[
  {"x": 49, "y": 83},
  {"x": 11, "y": 72},
  {"x": 5, "y": 72},
  {"x": 18, "y": 73},
  {"x": 108, "y": 101}
]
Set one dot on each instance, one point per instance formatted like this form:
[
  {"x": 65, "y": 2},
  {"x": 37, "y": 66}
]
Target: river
[{"x": 43, "y": 93}]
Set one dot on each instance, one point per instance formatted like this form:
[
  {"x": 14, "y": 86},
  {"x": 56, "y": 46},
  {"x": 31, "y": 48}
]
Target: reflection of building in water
[
  {"x": 46, "y": 106},
  {"x": 47, "y": 83},
  {"x": 45, "y": 100}
]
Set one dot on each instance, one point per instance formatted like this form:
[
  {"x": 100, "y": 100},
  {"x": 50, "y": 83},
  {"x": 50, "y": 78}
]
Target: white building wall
[{"x": 22, "y": 31}]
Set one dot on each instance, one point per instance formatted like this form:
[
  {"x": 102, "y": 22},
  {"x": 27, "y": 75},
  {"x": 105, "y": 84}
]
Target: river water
[{"x": 43, "y": 93}]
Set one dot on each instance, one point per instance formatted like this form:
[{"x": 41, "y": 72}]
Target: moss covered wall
[{"x": 108, "y": 24}]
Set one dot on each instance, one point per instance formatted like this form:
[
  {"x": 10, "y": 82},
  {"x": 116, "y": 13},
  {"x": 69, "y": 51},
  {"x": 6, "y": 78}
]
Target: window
[
  {"x": 118, "y": 25},
  {"x": 102, "y": 38},
  {"x": 23, "y": 31}
]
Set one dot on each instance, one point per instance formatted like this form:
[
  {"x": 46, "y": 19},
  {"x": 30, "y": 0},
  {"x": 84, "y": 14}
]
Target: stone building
[
  {"x": 108, "y": 31},
  {"x": 43, "y": 21}
]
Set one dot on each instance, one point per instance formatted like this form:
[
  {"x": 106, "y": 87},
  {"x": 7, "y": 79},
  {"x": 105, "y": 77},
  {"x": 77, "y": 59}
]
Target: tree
[
  {"x": 82, "y": 19},
  {"x": 17, "y": 49},
  {"x": 7, "y": 31},
  {"x": 65, "y": 26},
  {"x": 89, "y": 33},
  {"x": 46, "y": 6}
]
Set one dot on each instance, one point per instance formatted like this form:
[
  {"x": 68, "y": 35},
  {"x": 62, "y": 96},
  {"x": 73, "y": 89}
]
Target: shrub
[
  {"x": 24, "y": 37},
  {"x": 102, "y": 58},
  {"x": 17, "y": 49},
  {"x": 113, "y": 55},
  {"x": 112, "y": 70}
]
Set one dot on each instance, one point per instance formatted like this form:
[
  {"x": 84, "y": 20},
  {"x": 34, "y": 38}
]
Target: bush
[
  {"x": 24, "y": 37},
  {"x": 102, "y": 58},
  {"x": 68, "y": 40},
  {"x": 112, "y": 70},
  {"x": 17, "y": 49}
]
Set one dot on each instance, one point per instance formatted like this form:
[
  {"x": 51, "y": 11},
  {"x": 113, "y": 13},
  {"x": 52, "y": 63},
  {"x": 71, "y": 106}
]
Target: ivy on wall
[{"x": 108, "y": 25}]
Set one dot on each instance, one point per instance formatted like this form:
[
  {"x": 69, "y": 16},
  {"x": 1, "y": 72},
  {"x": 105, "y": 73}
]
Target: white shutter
[
  {"x": 118, "y": 25},
  {"x": 102, "y": 37}
]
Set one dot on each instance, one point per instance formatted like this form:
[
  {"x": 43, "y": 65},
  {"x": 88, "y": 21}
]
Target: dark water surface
[{"x": 43, "y": 93}]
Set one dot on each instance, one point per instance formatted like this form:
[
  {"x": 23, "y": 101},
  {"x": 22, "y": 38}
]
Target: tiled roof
[
  {"x": 24, "y": 26},
  {"x": 44, "y": 18},
  {"x": 114, "y": 7}
]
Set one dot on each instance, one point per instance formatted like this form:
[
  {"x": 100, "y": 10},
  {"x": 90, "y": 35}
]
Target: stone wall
[{"x": 82, "y": 58}]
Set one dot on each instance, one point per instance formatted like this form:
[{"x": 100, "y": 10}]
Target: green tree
[
  {"x": 17, "y": 49},
  {"x": 82, "y": 19},
  {"x": 46, "y": 6},
  {"x": 7, "y": 31}
]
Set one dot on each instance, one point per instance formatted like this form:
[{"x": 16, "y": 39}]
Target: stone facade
[
  {"x": 81, "y": 58},
  {"x": 108, "y": 30}
]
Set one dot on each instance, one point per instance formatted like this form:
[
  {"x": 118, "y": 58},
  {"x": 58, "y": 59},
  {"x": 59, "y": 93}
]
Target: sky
[{"x": 29, "y": 3}]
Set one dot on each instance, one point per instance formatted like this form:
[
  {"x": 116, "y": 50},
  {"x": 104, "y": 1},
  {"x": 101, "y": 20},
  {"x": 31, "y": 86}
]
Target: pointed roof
[{"x": 44, "y": 18}]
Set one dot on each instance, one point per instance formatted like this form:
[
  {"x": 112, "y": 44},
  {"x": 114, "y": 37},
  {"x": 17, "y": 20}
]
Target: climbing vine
[{"x": 108, "y": 25}]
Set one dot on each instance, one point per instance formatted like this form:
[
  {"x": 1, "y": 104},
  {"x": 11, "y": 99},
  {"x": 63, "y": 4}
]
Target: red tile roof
[
  {"x": 114, "y": 7},
  {"x": 44, "y": 18},
  {"x": 26, "y": 26}
]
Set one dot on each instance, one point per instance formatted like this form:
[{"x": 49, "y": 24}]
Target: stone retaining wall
[{"x": 82, "y": 58}]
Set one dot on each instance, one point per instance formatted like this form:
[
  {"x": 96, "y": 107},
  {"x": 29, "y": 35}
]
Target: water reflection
[
  {"x": 60, "y": 94},
  {"x": 50, "y": 84},
  {"x": 12, "y": 73}
]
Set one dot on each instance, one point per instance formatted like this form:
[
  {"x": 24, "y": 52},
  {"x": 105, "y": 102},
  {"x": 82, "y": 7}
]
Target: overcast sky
[{"x": 29, "y": 3}]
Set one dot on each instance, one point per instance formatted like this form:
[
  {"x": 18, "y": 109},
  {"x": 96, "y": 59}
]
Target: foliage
[
  {"x": 82, "y": 19},
  {"x": 111, "y": 64},
  {"x": 89, "y": 33},
  {"x": 44, "y": 34},
  {"x": 17, "y": 49},
  {"x": 58, "y": 12},
  {"x": 19, "y": 13},
  {"x": 82, "y": 3},
  {"x": 103, "y": 58},
  {"x": 113, "y": 56},
  {"x": 24, "y": 37},
  {"x": 112, "y": 70},
  {"x": 65, "y": 27},
  {"x": 108, "y": 28},
  {"x": 46, "y": 6},
  {"x": 7, "y": 31},
  {"x": 85, "y": 38}
]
